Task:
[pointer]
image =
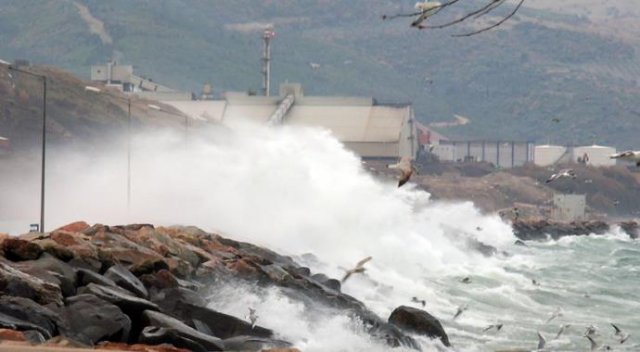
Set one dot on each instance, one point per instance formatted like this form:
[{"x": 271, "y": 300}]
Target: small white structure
[
  {"x": 546, "y": 155},
  {"x": 596, "y": 155},
  {"x": 569, "y": 207}
]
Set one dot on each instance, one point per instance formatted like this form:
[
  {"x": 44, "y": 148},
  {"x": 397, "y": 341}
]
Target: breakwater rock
[
  {"x": 141, "y": 288},
  {"x": 537, "y": 230}
]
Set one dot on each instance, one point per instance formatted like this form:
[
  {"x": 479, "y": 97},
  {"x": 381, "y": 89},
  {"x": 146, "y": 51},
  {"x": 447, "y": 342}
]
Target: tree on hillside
[{"x": 427, "y": 9}]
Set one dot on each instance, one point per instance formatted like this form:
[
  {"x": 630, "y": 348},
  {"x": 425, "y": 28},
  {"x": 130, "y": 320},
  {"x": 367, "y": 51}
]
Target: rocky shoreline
[
  {"x": 541, "y": 230},
  {"x": 141, "y": 288}
]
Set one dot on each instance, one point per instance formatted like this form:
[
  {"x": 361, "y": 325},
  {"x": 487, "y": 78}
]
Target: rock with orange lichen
[
  {"x": 12, "y": 335},
  {"x": 17, "y": 249},
  {"x": 78, "y": 226}
]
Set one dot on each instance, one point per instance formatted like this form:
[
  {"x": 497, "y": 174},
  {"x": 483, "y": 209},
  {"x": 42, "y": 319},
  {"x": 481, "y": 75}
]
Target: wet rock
[
  {"x": 539, "y": 230},
  {"x": 631, "y": 228},
  {"x": 29, "y": 311},
  {"x": 154, "y": 335},
  {"x": 182, "y": 330},
  {"x": 419, "y": 322},
  {"x": 326, "y": 281},
  {"x": 34, "y": 337},
  {"x": 53, "y": 270},
  {"x": 16, "y": 249},
  {"x": 85, "y": 277},
  {"x": 149, "y": 266},
  {"x": 125, "y": 279},
  {"x": 160, "y": 280},
  {"x": 14, "y": 282},
  {"x": 127, "y": 302},
  {"x": 276, "y": 273},
  {"x": 252, "y": 343},
  {"x": 53, "y": 248},
  {"x": 12, "y": 323},
  {"x": 92, "y": 319},
  {"x": 221, "y": 325},
  {"x": 173, "y": 300}
]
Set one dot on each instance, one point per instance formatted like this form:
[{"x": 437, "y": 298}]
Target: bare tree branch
[
  {"x": 493, "y": 25},
  {"x": 484, "y": 10}
]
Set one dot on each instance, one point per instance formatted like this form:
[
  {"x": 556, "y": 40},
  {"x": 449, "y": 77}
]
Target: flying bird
[
  {"x": 541, "y": 341},
  {"x": 622, "y": 336},
  {"x": 314, "y": 65},
  {"x": 427, "y": 9},
  {"x": 406, "y": 168},
  {"x": 498, "y": 327},
  {"x": 565, "y": 173},
  {"x": 466, "y": 280},
  {"x": 556, "y": 313},
  {"x": 359, "y": 268},
  {"x": 460, "y": 310},
  {"x": 416, "y": 300},
  {"x": 563, "y": 328},
  {"x": 253, "y": 317},
  {"x": 596, "y": 346},
  {"x": 555, "y": 119},
  {"x": 629, "y": 155}
]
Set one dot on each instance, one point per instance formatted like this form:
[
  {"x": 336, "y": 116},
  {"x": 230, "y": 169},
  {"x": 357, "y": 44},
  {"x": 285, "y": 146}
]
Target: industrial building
[
  {"x": 594, "y": 155},
  {"x": 122, "y": 77},
  {"x": 503, "y": 154},
  {"x": 370, "y": 129}
]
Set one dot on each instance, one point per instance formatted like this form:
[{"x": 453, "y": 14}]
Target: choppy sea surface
[{"x": 298, "y": 191}]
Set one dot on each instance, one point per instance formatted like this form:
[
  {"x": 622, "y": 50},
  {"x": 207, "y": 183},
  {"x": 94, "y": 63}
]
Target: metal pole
[
  {"x": 44, "y": 149},
  {"x": 128, "y": 154},
  {"x": 44, "y": 138}
]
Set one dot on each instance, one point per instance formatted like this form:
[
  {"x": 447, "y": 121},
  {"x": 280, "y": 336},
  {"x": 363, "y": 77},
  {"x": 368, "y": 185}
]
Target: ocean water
[{"x": 300, "y": 192}]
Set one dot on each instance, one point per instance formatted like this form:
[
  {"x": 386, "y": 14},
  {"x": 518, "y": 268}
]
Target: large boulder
[
  {"x": 221, "y": 325},
  {"x": 419, "y": 322},
  {"x": 12, "y": 323},
  {"x": 173, "y": 301},
  {"x": 85, "y": 277},
  {"x": 14, "y": 282},
  {"x": 92, "y": 319},
  {"x": 125, "y": 279},
  {"x": 29, "y": 311},
  {"x": 52, "y": 270},
  {"x": 157, "y": 335},
  {"x": 17, "y": 249},
  {"x": 179, "y": 328}
]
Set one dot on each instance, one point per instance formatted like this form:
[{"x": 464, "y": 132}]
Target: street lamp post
[
  {"x": 98, "y": 90},
  {"x": 44, "y": 138}
]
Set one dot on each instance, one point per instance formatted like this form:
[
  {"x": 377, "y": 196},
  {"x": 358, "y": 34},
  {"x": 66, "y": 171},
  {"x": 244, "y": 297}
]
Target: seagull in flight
[
  {"x": 460, "y": 310},
  {"x": 563, "y": 328},
  {"x": 498, "y": 327},
  {"x": 427, "y": 9},
  {"x": 541, "y": 341},
  {"x": 629, "y": 155},
  {"x": 556, "y": 313},
  {"x": 622, "y": 336},
  {"x": 406, "y": 168},
  {"x": 564, "y": 173},
  {"x": 359, "y": 268}
]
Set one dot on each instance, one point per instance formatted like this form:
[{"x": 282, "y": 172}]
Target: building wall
[
  {"x": 598, "y": 155},
  {"x": 569, "y": 207},
  {"x": 501, "y": 154},
  {"x": 546, "y": 155}
]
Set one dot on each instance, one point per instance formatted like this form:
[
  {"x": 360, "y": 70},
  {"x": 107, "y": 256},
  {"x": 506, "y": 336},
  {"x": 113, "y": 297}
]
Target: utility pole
[{"x": 267, "y": 35}]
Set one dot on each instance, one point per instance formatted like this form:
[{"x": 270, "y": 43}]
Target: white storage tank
[
  {"x": 597, "y": 155},
  {"x": 545, "y": 155}
]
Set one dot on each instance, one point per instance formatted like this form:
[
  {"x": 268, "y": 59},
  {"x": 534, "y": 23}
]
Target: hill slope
[{"x": 511, "y": 82}]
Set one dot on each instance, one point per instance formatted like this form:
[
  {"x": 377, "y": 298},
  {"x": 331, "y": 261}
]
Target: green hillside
[{"x": 510, "y": 82}]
